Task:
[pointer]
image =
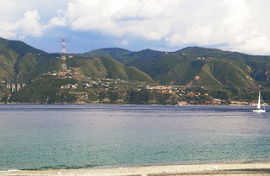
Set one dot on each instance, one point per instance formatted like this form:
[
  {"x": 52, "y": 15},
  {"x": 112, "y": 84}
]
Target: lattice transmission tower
[{"x": 63, "y": 56}]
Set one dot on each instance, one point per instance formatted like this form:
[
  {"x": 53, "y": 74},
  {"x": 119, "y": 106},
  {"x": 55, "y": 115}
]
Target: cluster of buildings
[
  {"x": 99, "y": 83},
  {"x": 69, "y": 86},
  {"x": 13, "y": 86},
  {"x": 182, "y": 91}
]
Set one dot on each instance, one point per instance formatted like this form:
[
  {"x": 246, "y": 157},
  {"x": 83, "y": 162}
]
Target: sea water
[{"x": 82, "y": 136}]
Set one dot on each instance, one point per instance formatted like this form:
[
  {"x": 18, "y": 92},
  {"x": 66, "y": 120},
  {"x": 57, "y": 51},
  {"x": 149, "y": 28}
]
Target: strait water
[{"x": 81, "y": 136}]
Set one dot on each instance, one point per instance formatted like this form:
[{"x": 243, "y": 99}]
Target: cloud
[
  {"x": 121, "y": 17},
  {"x": 56, "y": 21},
  {"x": 240, "y": 25},
  {"x": 232, "y": 23},
  {"x": 28, "y": 25},
  {"x": 23, "y": 18}
]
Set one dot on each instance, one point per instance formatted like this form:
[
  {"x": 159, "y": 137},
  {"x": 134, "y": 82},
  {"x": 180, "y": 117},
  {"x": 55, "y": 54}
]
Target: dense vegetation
[{"x": 45, "y": 90}]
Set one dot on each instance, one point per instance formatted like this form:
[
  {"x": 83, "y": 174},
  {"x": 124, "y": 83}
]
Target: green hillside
[
  {"x": 212, "y": 68},
  {"x": 23, "y": 63},
  {"x": 45, "y": 90},
  {"x": 215, "y": 71},
  {"x": 107, "y": 68}
]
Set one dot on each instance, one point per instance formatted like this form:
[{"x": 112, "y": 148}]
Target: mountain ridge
[
  {"x": 21, "y": 62},
  {"x": 181, "y": 66},
  {"x": 213, "y": 69}
]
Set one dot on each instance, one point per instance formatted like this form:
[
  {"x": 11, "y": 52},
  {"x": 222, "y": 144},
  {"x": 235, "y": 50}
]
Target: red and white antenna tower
[{"x": 63, "y": 56}]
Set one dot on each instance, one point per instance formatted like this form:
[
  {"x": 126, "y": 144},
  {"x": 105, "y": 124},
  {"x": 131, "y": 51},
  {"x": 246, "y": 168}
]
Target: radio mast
[{"x": 63, "y": 56}]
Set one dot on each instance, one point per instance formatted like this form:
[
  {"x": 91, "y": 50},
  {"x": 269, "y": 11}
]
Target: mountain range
[
  {"x": 193, "y": 66},
  {"x": 20, "y": 62},
  {"x": 196, "y": 66}
]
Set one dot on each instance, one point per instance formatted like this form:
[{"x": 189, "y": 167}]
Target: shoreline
[
  {"x": 216, "y": 105},
  {"x": 228, "y": 169}
]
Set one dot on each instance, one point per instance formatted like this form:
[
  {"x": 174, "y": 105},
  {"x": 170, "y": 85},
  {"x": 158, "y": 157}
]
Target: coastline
[
  {"x": 217, "y": 105},
  {"x": 228, "y": 169}
]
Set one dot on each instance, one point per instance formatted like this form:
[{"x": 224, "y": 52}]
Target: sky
[{"x": 236, "y": 25}]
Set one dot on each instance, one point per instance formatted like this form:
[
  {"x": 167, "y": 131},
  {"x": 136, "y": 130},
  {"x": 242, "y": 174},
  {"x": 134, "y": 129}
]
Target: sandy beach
[{"x": 238, "y": 169}]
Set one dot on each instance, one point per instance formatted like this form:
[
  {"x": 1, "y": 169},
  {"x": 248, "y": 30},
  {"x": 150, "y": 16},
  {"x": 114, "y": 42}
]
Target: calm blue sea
[{"x": 81, "y": 136}]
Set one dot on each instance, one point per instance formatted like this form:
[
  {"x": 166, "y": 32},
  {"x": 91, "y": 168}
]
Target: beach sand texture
[{"x": 236, "y": 169}]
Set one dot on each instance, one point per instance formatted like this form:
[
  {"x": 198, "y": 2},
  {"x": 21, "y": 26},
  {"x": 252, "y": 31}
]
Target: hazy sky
[{"x": 240, "y": 25}]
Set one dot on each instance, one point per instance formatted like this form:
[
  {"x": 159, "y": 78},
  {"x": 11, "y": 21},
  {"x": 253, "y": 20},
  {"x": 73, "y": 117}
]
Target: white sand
[{"x": 240, "y": 169}]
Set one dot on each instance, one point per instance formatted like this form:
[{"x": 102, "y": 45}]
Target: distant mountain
[
  {"x": 116, "y": 53},
  {"x": 198, "y": 66},
  {"x": 124, "y": 56}
]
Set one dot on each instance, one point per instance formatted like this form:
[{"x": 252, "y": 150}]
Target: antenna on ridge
[
  {"x": 63, "y": 42},
  {"x": 63, "y": 56}
]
